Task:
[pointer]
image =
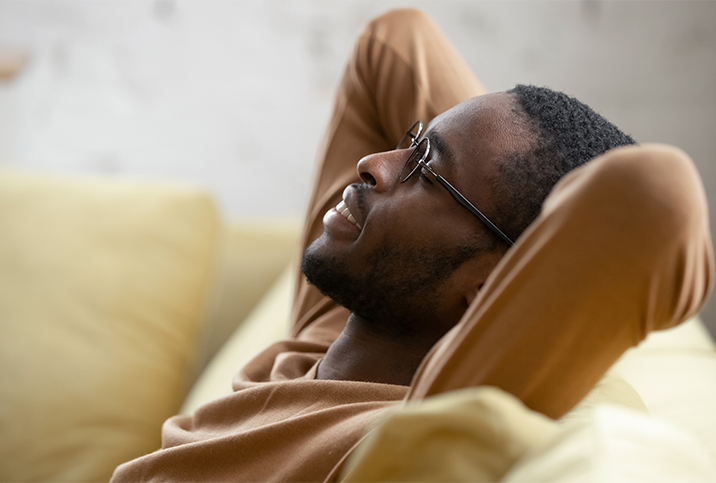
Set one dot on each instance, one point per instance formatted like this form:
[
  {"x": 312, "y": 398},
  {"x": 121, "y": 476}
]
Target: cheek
[
  {"x": 414, "y": 217},
  {"x": 427, "y": 223},
  {"x": 409, "y": 219}
]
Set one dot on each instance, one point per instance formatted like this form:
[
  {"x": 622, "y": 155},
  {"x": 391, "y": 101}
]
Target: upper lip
[{"x": 349, "y": 198}]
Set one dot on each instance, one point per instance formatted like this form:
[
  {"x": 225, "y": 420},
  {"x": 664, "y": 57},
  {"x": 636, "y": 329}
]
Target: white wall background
[{"x": 234, "y": 95}]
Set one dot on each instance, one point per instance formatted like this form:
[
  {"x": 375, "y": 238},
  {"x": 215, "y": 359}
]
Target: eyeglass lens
[{"x": 412, "y": 164}]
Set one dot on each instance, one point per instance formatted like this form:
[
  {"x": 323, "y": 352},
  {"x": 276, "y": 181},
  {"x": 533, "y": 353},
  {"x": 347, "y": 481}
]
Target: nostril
[
  {"x": 368, "y": 178},
  {"x": 376, "y": 170}
]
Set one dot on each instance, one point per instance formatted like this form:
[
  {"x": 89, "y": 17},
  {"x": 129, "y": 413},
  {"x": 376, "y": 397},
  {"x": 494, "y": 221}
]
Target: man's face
[{"x": 405, "y": 262}]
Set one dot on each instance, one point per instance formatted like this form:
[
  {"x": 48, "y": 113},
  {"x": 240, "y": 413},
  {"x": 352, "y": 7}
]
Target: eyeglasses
[{"x": 416, "y": 161}]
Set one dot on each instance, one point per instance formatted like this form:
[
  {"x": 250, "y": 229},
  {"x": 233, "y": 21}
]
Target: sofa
[{"x": 124, "y": 302}]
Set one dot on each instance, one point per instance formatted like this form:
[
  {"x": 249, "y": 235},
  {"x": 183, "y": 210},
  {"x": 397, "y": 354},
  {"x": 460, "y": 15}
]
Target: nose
[{"x": 381, "y": 170}]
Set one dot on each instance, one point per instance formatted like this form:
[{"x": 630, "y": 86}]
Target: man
[{"x": 426, "y": 292}]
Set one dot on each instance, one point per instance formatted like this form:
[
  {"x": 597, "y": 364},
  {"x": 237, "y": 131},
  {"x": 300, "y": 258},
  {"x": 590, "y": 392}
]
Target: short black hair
[{"x": 567, "y": 133}]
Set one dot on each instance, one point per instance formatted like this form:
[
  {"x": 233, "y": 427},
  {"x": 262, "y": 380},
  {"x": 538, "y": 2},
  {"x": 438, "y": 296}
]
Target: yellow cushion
[
  {"x": 102, "y": 291},
  {"x": 611, "y": 389},
  {"x": 485, "y": 435},
  {"x": 473, "y": 434},
  {"x": 674, "y": 372},
  {"x": 616, "y": 444}
]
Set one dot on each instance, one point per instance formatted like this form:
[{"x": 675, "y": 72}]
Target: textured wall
[{"x": 234, "y": 95}]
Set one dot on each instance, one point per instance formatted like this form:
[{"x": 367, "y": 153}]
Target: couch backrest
[{"x": 103, "y": 289}]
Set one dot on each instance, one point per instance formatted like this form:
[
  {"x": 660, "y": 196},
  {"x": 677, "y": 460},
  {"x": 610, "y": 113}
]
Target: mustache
[{"x": 360, "y": 191}]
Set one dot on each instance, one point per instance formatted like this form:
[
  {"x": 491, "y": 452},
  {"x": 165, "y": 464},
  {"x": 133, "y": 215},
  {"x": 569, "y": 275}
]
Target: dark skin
[{"x": 469, "y": 141}]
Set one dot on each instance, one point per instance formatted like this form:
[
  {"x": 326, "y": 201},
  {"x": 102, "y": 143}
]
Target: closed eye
[
  {"x": 424, "y": 177},
  {"x": 422, "y": 170}
]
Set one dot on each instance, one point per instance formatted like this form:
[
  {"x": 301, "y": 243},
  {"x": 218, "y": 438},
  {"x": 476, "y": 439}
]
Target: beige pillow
[
  {"x": 611, "y": 389},
  {"x": 103, "y": 285},
  {"x": 616, "y": 444},
  {"x": 674, "y": 372},
  {"x": 474, "y": 434},
  {"x": 485, "y": 434}
]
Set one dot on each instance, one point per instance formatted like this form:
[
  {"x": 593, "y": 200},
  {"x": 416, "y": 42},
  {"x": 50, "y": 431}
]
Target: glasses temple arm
[{"x": 464, "y": 202}]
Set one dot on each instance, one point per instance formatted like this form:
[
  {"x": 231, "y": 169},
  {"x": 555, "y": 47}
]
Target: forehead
[
  {"x": 478, "y": 134},
  {"x": 481, "y": 126}
]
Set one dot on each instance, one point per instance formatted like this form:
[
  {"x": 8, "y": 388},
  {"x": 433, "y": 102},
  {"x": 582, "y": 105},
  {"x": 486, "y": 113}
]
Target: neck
[{"x": 361, "y": 354}]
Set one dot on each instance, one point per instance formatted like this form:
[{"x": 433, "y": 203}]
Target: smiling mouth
[{"x": 342, "y": 208}]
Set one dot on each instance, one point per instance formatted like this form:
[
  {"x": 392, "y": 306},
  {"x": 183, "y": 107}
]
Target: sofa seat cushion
[{"x": 102, "y": 292}]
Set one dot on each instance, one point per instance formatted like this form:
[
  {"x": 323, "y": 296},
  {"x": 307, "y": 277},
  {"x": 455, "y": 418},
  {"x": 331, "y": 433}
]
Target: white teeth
[{"x": 342, "y": 208}]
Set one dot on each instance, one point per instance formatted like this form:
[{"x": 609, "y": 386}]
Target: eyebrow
[{"x": 446, "y": 153}]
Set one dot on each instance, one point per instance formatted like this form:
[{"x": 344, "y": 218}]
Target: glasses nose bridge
[{"x": 413, "y": 134}]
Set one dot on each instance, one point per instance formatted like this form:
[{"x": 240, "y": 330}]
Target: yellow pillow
[
  {"x": 615, "y": 444},
  {"x": 485, "y": 434},
  {"x": 611, "y": 389},
  {"x": 674, "y": 372},
  {"x": 475, "y": 434},
  {"x": 102, "y": 291}
]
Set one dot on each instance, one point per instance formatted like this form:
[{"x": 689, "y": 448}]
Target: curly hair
[{"x": 566, "y": 134}]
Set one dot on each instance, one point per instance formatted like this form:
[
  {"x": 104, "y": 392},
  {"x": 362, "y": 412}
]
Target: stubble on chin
[{"x": 396, "y": 291}]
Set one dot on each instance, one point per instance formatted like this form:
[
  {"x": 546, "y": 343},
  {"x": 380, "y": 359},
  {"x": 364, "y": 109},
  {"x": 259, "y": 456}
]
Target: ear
[
  {"x": 476, "y": 272},
  {"x": 472, "y": 294}
]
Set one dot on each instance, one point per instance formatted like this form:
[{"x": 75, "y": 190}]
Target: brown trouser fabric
[{"x": 622, "y": 247}]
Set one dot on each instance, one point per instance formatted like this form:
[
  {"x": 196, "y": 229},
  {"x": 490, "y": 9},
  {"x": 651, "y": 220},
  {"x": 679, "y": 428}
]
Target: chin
[
  {"x": 396, "y": 299},
  {"x": 322, "y": 270}
]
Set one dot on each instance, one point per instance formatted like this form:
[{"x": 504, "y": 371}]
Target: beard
[{"x": 399, "y": 290}]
